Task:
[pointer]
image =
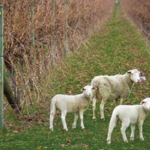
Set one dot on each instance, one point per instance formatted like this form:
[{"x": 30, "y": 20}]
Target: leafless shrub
[
  {"x": 138, "y": 10},
  {"x": 58, "y": 25}
]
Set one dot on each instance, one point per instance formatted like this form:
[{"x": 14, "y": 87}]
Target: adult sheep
[{"x": 114, "y": 88}]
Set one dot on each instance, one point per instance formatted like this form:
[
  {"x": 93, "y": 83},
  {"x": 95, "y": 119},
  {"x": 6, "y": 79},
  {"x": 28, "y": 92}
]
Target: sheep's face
[
  {"x": 88, "y": 91},
  {"x": 146, "y": 103},
  {"x": 135, "y": 76}
]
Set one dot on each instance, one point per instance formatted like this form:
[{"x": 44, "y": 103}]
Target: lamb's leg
[
  {"x": 125, "y": 124},
  {"x": 94, "y": 107},
  {"x": 75, "y": 120},
  {"x": 132, "y": 132},
  {"x": 51, "y": 118},
  {"x": 111, "y": 127},
  {"x": 141, "y": 130},
  {"x": 81, "y": 117},
  {"x": 51, "y": 121},
  {"x": 102, "y": 108},
  {"x": 63, "y": 118}
]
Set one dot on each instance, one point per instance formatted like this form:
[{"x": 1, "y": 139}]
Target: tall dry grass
[
  {"x": 59, "y": 26},
  {"x": 138, "y": 11}
]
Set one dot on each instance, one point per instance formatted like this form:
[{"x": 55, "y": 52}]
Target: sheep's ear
[
  {"x": 141, "y": 74},
  {"x": 129, "y": 72},
  {"x": 83, "y": 89},
  {"x": 94, "y": 87},
  {"x": 143, "y": 102}
]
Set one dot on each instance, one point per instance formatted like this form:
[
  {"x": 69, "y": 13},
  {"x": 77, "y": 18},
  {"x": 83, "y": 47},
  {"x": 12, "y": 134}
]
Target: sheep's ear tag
[{"x": 129, "y": 72}]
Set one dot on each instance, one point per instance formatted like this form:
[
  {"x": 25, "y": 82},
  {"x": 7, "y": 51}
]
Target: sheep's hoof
[
  {"x": 126, "y": 141},
  {"x": 51, "y": 128},
  {"x": 94, "y": 118},
  {"x": 142, "y": 139},
  {"x": 64, "y": 130},
  {"x": 108, "y": 141},
  {"x": 73, "y": 126},
  {"x": 132, "y": 138},
  {"x": 102, "y": 118}
]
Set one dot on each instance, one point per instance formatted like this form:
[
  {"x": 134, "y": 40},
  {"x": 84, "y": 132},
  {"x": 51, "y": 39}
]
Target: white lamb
[
  {"x": 114, "y": 88},
  {"x": 71, "y": 104},
  {"x": 129, "y": 114}
]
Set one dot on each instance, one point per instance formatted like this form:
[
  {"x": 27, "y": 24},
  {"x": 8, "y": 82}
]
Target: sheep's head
[
  {"x": 136, "y": 76},
  {"x": 88, "y": 90},
  {"x": 146, "y": 103}
]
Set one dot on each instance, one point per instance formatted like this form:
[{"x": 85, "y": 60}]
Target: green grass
[{"x": 116, "y": 48}]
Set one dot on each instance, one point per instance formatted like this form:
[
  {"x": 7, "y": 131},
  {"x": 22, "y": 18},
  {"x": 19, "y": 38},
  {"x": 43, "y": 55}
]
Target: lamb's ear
[
  {"x": 129, "y": 72},
  {"x": 83, "y": 89},
  {"x": 141, "y": 74},
  {"x": 143, "y": 102}
]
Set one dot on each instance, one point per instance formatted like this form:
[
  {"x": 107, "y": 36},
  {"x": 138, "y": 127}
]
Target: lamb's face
[
  {"x": 135, "y": 76},
  {"x": 88, "y": 91},
  {"x": 146, "y": 103}
]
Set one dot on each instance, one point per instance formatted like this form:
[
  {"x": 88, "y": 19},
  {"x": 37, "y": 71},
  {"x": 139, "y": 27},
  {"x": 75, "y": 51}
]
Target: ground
[{"x": 118, "y": 47}]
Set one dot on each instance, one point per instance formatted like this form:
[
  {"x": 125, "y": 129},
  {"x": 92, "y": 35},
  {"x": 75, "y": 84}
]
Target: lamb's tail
[
  {"x": 53, "y": 107},
  {"x": 113, "y": 120},
  {"x": 112, "y": 124}
]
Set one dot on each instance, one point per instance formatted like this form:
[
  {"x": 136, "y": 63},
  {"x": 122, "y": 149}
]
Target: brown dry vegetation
[
  {"x": 139, "y": 12},
  {"x": 59, "y": 26}
]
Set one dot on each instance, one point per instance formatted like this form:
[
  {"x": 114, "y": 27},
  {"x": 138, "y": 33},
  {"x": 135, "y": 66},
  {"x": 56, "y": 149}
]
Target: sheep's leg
[
  {"x": 51, "y": 118},
  {"x": 94, "y": 107},
  {"x": 75, "y": 120},
  {"x": 102, "y": 108},
  {"x": 116, "y": 102},
  {"x": 125, "y": 124},
  {"x": 132, "y": 132},
  {"x": 63, "y": 118},
  {"x": 141, "y": 130},
  {"x": 111, "y": 127},
  {"x": 121, "y": 100},
  {"x": 51, "y": 121},
  {"x": 81, "y": 117}
]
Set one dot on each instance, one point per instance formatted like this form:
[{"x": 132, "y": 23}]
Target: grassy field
[{"x": 116, "y": 48}]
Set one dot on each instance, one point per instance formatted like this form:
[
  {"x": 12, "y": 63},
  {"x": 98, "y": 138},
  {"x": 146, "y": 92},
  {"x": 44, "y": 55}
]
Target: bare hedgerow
[
  {"x": 138, "y": 11},
  {"x": 58, "y": 26}
]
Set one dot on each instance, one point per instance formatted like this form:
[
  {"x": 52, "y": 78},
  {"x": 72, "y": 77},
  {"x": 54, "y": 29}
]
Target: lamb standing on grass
[
  {"x": 71, "y": 104},
  {"x": 129, "y": 114},
  {"x": 114, "y": 88}
]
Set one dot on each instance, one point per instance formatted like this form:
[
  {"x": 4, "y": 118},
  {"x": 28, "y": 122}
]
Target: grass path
[{"x": 118, "y": 47}]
